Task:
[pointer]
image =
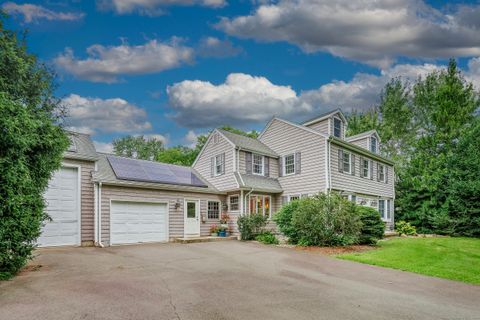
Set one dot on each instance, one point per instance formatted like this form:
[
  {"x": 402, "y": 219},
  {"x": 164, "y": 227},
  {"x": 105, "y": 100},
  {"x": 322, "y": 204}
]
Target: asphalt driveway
[{"x": 224, "y": 280}]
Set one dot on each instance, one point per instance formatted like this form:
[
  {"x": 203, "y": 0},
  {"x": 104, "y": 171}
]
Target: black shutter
[
  {"x": 266, "y": 169},
  {"x": 248, "y": 162},
  {"x": 361, "y": 167},
  {"x": 340, "y": 160},
  {"x": 280, "y": 166},
  {"x": 352, "y": 165},
  {"x": 386, "y": 174},
  {"x": 378, "y": 171},
  {"x": 298, "y": 163},
  {"x": 371, "y": 169}
]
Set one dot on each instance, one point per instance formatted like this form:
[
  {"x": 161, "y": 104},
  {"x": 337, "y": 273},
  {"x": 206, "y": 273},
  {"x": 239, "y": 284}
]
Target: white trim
[
  {"x": 363, "y": 135},
  {"x": 228, "y": 202},
  {"x": 215, "y": 165},
  {"x": 328, "y": 115},
  {"x": 262, "y": 166},
  {"x": 185, "y": 200},
  {"x": 284, "y": 165},
  {"x": 242, "y": 211},
  {"x": 206, "y": 143},
  {"x": 350, "y": 164},
  {"x": 318, "y": 133},
  {"x": 79, "y": 195},
  {"x": 95, "y": 214},
  {"x": 219, "y": 210},
  {"x": 263, "y": 196},
  {"x": 370, "y": 163},
  {"x": 342, "y": 128},
  {"x": 299, "y": 196},
  {"x": 327, "y": 154},
  {"x": 138, "y": 201}
]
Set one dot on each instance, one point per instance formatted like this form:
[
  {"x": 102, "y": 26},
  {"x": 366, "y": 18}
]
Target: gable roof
[
  {"x": 258, "y": 183},
  {"x": 299, "y": 126},
  {"x": 106, "y": 175},
  {"x": 81, "y": 147},
  {"x": 325, "y": 116},
  {"x": 247, "y": 143},
  {"x": 363, "y": 135}
]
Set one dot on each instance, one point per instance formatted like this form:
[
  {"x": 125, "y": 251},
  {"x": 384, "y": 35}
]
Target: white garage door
[
  {"x": 133, "y": 222},
  {"x": 63, "y": 207}
]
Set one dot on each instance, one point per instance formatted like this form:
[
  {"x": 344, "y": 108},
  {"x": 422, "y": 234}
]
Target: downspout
[
  {"x": 100, "y": 244},
  {"x": 329, "y": 167},
  {"x": 248, "y": 194},
  {"x": 95, "y": 214}
]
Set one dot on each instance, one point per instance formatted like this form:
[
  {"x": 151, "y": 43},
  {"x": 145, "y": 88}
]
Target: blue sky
[{"x": 173, "y": 69}]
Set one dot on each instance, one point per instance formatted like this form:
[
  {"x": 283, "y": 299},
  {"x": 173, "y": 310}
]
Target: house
[{"x": 102, "y": 199}]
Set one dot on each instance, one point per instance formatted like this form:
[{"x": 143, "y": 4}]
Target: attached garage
[
  {"x": 63, "y": 207},
  {"x": 135, "y": 222}
]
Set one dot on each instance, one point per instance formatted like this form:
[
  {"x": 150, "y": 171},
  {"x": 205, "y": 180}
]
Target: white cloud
[
  {"x": 160, "y": 137},
  {"x": 103, "y": 147},
  {"x": 191, "y": 138},
  {"x": 241, "y": 99},
  {"x": 244, "y": 100},
  {"x": 94, "y": 115},
  {"x": 33, "y": 13},
  {"x": 214, "y": 47},
  {"x": 153, "y": 7},
  {"x": 105, "y": 64},
  {"x": 370, "y": 31}
]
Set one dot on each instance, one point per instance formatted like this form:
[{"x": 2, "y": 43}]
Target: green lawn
[{"x": 449, "y": 258}]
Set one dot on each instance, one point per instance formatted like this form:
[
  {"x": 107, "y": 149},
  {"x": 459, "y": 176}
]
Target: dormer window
[
  {"x": 337, "y": 127},
  {"x": 373, "y": 144}
]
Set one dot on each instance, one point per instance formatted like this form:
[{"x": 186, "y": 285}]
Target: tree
[
  {"x": 138, "y": 147},
  {"x": 31, "y": 148},
  {"x": 180, "y": 155}
]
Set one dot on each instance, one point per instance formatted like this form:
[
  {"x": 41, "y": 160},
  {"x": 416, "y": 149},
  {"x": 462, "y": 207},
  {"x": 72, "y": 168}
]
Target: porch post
[{"x": 241, "y": 202}]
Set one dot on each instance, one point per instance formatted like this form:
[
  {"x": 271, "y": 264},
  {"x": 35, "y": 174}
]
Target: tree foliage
[
  {"x": 31, "y": 148},
  {"x": 139, "y": 147}
]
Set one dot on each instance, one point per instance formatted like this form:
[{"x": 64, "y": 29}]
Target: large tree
[
  {"x": 31, "y": 148},
  {"x": 139, "y": 147}
]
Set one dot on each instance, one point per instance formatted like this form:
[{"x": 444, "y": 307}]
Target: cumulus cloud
[
  {"x": 105, "y": 147},
  {"x": 370, "y": 31},
  {"x": 95, "y": 115},
  {"x": 245, "y": 99},
  {"x": 165, "y": 139},
  {"x": 33, "y": 13},
  {"x": 214, "y": 47},
  {"x": 153, "y": 7},
  {"x": 191, "y": 138},
  {"x": 106, "y": 64},
  {"x": 242, "y": 98}
]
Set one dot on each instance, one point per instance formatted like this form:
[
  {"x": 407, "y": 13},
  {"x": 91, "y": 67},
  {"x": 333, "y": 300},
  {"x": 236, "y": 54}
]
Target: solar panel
[{"x": 147, "y": 171}]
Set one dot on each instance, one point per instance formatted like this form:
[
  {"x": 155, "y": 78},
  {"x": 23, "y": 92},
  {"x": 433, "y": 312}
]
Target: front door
[{"x": 192, "y": 218}]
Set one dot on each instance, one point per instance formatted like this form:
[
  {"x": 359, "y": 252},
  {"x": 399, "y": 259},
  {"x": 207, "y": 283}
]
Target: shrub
[
  {"x": 283, "y": 219},
  {"x": 322, "y": 220},
  {"x": 267, "y": 237},
  {"x": 251, "y": 225},
  {"x": 373, "y": 227},
  {"x": 405, "y": 228}
]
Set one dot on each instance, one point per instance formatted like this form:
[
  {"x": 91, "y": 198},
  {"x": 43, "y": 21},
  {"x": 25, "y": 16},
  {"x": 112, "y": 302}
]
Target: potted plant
[
  {"x": 224, "y": 220},
  {"x": 222, "y": 231},
  {"x": 213, "y": 230}
]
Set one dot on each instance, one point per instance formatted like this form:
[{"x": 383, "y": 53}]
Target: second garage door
[{"x": 134, "y": 222}]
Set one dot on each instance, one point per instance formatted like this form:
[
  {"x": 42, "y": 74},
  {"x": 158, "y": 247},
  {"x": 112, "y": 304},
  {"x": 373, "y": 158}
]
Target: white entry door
[
  {"x": 134, "y": 222},
  {"x": 192, "y": 218},
  {"x": 63, "y": 207}
]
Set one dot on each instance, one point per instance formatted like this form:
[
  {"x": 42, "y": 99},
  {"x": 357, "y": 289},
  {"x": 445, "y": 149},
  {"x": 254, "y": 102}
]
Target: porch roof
[{"x": 258, "y": 183}]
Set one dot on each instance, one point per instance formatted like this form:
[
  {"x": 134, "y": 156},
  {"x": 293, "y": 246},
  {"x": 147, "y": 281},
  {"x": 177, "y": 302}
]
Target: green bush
[
  {"x": 373, "y": 228},
  {"x": 405, "y": 228},
  {"x": 31, "y": 148},
  {"x": 251, "y": 225},
  {"x": 283, "y": 219},
  {"x": 267, "y": 237},
  {"x": 322, "y": 220}
]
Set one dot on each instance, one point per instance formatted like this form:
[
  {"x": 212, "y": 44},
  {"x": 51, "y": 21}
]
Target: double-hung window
[
  {"x": 234, "y": 203},
  {"x": 257, "y": 164},
  {"x": 213, "y": 210},
  {"x": 337, "y": 127},
  {"x": 373, "y": 144},
  {"x": 366, "y": 168},
  {"x": 381, "y": 173},
  {"x": 293, "y": 198},
  {"x": 219, "y": 165},
  {"x": 381, "y": 208},
  {"x": 289, "y": 164},
  {"x": 260, "y": 204},
  {"x": 347, "y": 162}
]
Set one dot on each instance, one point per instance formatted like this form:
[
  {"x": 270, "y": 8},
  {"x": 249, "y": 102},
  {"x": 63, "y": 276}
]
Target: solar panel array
[{"x": 147, "y": 171}]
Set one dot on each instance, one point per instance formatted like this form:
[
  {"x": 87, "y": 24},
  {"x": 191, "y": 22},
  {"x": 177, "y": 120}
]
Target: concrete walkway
[{"x": 224, "y": 280}]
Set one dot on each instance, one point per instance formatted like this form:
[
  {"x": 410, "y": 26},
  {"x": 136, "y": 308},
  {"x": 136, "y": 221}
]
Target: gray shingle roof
[
  {"x": 258, "y": 183},
  {"x": 106, "y": 175},
  {"x": 248, "y": 143},
  {"x": 81, "y": 147},
  {"x": 361, "y": 135}
]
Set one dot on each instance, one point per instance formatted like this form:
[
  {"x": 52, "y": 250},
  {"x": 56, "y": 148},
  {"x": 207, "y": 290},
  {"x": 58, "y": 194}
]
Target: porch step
[{"x": 204, "y": 239}]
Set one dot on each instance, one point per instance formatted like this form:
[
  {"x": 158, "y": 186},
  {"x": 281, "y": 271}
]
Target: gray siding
[
  {"x": 357, "y": 184},
  {"x": 322, "y": 126},
  {"x": 87, "y": 200},
  {"x": 176, "y": 216},
  {"x": 285, "y": 139},
  {"x": 363, "y": 143},
  {"x": 273, "y": 165},
  {"x": 225, "y": 181}
]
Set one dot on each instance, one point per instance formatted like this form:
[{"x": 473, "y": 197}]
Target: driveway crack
[{"x": 170, "y": 300}]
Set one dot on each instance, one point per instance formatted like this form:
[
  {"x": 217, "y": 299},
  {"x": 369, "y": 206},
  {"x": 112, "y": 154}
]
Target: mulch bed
[{"x": 330, "y": 251}]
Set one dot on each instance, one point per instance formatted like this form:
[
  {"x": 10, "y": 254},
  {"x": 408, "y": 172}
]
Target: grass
[{"x": 449, "y": 258}]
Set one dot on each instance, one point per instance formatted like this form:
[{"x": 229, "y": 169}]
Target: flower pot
[
  {"x": 227, "y": 233},
  {"x": 221, "y": 233},
  {"x": 224, "y": 225},
  {"x": 213, "y": 234}
]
